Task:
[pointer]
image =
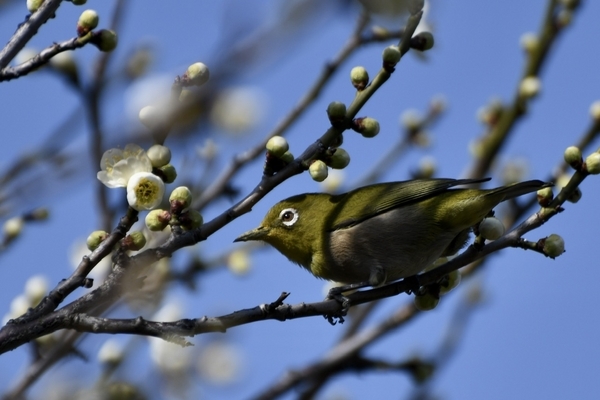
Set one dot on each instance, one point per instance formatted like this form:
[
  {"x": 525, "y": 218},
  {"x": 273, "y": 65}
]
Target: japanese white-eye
[{"x": 383, "y": 232}]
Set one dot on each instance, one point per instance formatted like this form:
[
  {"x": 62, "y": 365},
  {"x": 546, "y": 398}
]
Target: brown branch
[{"x": 26, "y": 31}]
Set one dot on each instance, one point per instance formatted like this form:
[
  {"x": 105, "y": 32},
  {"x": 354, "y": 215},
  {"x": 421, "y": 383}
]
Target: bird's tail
[{"x": 520, "y": 188}]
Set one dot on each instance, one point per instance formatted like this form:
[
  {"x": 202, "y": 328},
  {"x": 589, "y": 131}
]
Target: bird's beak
[{"x": 255, "y": 234}]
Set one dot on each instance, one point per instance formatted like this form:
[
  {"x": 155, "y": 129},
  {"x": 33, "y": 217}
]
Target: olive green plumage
[{"x": 383, "y": 232}]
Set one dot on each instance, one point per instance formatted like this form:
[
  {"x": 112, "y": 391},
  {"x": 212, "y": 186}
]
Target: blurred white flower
[
  {"x": 169, "y": 357},
  {"x": 238, "y": 109},
  {"x": 151, "y": 90},
  {"x": 18, "y": 306},
  {"x": 111, "y": 352},
  {"x": 220, "y": 363},
  {"x": 36, "y": 288},
  {"x": 118, "y": 166},
  {"x": 238, "y": 262},
  {"x": 208, "y": 151}
]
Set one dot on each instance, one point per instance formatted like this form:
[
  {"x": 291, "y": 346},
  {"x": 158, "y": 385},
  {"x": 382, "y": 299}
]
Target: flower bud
[
  {"x": 277, "y": 145},
  {"x": 197, "y": 74},
  {"x": 411, "y": 120},
  {"x": 425, "y": 302},
  {"x": 368, "y": 127},
  {"x": 13, "y": 227},
  {"x": 157, "y": 220},
  {"x": 573, "y": 157},
  {"x": 95, "y": 238},
  {"x": 33, "y": 5},
  {"x": 453, "y": 279},
  {"x": 88, "y": 21},
  {"x": 105, "y": 40},
  {"x": 191, "y": 219},
  {"x": 359, "y": 78},
  {"x": 134, "y": 241},
  {"x": 168, "y": 173},
  {"x": 595, "y": 110},
  {"x": 592, "y": 163},
  {"x": 422, "y": 41},
  {"x": 340, "y": 159},
  {"x": 159, "y": 155},
  {"x": 564, "y": 18},
  {"x": 530, "y": 87},
  {"x": 150, "y": 117},
  {"x": 575, "y": 196},
  {"x": 491, "y": 228},
  {"x": 391, "y": 56},
  {"x": 545, "y": 196},
  {"x": 530, "y": 42},
  {"x": 336, "y": 112},
  {"x": 554, "y": 246},
  {"x": 287, "y": 157},
  {"x": 180, "y": 199},
  {"x": 318, "y": 170}
]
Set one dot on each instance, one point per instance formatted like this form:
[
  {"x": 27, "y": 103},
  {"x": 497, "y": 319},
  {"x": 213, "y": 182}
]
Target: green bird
[{"x": 380, "y": 233}]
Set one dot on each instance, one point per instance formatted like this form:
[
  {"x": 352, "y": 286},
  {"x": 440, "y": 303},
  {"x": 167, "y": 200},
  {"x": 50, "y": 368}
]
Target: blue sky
[{"x": 534, "y": 335}]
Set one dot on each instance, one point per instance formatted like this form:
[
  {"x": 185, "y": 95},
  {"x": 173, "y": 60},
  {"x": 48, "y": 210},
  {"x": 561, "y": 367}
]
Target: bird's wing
[{"x": 351, "y": 209}]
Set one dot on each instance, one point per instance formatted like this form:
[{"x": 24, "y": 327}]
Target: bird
[{"x": 383, "y": 232}]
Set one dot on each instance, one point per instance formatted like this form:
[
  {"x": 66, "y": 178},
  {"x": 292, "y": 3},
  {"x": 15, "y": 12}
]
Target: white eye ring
[{"x": 288, "y": 216}]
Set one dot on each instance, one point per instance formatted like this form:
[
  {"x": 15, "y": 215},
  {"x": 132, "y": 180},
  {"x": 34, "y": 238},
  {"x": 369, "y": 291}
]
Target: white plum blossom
[
  {"x": 118, "y": 166},
  {"x": 145, "y": 191}
]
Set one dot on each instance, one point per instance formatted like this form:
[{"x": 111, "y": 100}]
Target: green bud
[
  {"x": 197, "y": 74},
  {"x": 530, "y": 42},
  {"x": 391, "y": 56},
  {"x": 595, "y": 110},
  {"x": 39, "y": 214},
  {"x": 157, "y": 220},
  {"x": 33, "y": 5},
  {"x": 545, "y": 196},
  {"x": 573, "y": 156},
  {"x": 491, "y": 228},
  {"x": 368, "y": 127},
  {"x": 530, "y": 87},
  {"x": 564, "y": 18},
  {"x": 191, "y": 219},
  {"x": 422, "y": 41},
  {"x": 318, "y": 170},
  {"x": 336, "y": 112},
  {"x": 277, "y": 145},
  {"x": 88, "y": 21},
  {"x": 95, "y": 238},
  {"x": 340, "y": 159},
  {"x": 287, "y": 157},
  {"x": 180, "y": 199},
  {"x": 592, "y": 163},
  {"x": 359, "y": 78},
  {"x": 168, "y": 173},
  {"x": 554, "y": 246},
  {"x": 426, "y": 301},
  {"x": 105, "y": 40},
  {"x": 134, "y": 241},
  {"x": 575, "y": 196},
  {"x": 453, "y": 279},
  {"x": 159, "y": 155}
]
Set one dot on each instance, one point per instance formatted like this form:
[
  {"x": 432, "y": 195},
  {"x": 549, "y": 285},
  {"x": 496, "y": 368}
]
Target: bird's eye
[{"x": 289, "y": 216}]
